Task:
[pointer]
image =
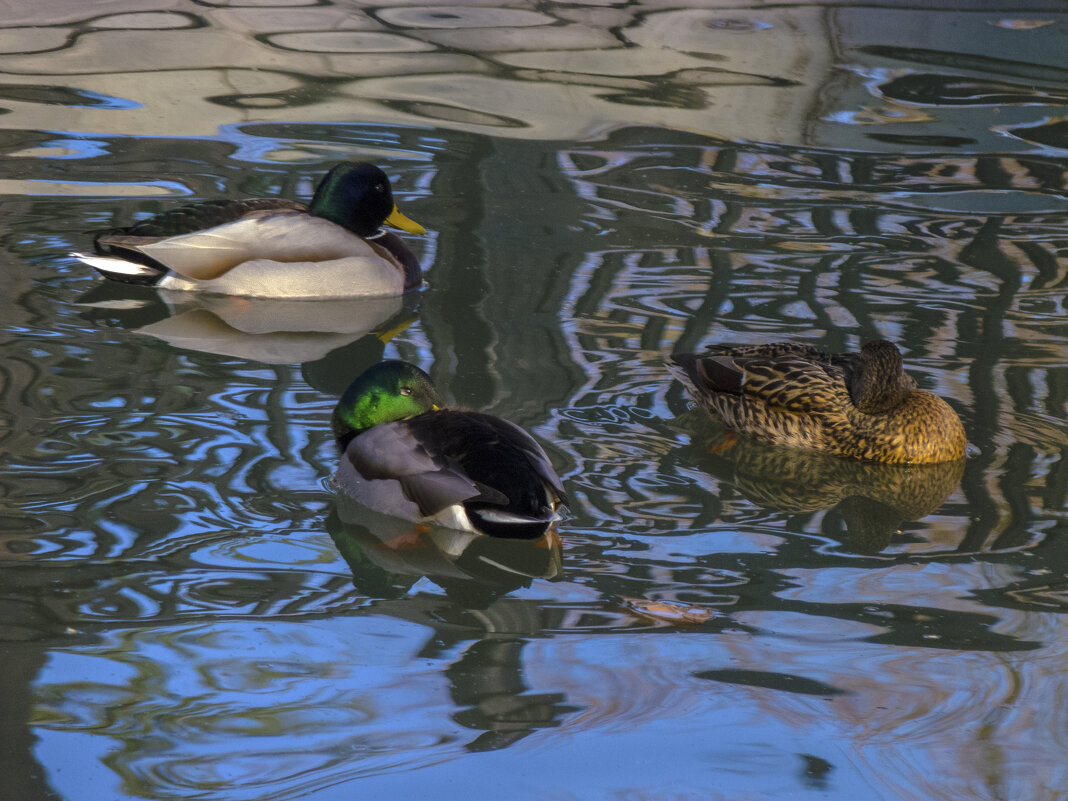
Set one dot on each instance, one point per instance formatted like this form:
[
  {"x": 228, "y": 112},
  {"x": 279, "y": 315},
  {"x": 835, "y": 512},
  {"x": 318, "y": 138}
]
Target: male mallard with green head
[
  {"x": 272, "y": 247},
  {"x": 849, "y": 404},
  {"x": 406, "y": 456}
]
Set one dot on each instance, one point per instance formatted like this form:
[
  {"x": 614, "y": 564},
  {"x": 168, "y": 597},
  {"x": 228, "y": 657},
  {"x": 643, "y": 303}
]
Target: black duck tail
[
  {"x": 707, "y": 372},
  {"x": 495, "y": 521},
  {"x": 126, "y": 271}
]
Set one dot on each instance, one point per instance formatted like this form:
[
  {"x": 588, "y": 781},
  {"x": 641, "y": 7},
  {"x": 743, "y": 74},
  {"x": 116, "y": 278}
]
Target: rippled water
[{"x": 188, "y": 610}]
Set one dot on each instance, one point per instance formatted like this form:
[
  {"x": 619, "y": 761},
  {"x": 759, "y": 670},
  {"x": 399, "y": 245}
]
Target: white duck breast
[
  {"x": 283, "y": 236},
  {"x": 350, "y": 277}
]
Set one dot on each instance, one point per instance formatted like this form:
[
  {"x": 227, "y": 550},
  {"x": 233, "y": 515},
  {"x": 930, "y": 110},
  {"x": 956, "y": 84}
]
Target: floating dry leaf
[{"x": 668, "y": 611}]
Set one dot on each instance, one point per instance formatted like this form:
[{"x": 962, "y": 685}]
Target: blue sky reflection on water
[{"x": 191, "y": 612}]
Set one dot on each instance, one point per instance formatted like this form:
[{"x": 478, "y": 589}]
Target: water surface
[{"x": 190, "y": 612}]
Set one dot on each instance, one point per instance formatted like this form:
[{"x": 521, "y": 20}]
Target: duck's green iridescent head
[
  {"x": 358, "y": 196},
  {"x": 391, "y": 390}
]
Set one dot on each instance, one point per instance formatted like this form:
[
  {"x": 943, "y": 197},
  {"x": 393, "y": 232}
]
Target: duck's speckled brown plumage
[{"x": 858, "y": 405}]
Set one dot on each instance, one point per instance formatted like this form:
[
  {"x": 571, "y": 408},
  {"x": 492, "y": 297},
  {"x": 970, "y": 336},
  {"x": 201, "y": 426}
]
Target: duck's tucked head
[
  {"x": 879, "y": 380},
  {"x": 389, "y": 391},
  {"x": 358, "y": 196}
]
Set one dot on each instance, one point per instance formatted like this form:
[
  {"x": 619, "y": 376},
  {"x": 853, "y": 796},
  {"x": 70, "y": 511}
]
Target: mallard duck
[
  {"x": 406, "y": 456},
  {"x": 272, "y": 247},
  {"x": 848, "y": 404}
]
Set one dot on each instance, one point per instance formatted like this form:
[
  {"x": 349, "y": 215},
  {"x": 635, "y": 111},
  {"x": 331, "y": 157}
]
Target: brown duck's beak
[
  {"x": 435, "y": 408},
  {"x": 398, "y": 220}
]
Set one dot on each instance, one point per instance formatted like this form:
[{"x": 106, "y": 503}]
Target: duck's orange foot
[
  {"x": 550, "y": 540},
  {"x": 727, "y": 441},
  {"x": 409, "y": 540}
]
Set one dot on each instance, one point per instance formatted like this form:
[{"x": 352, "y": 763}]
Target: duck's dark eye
[
  {"x": 380, "y": 188},
  {"x": 405, "y": 390}
]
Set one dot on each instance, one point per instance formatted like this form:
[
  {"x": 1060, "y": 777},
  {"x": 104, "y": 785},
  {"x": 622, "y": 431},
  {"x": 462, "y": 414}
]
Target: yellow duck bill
[{"x": 397, "y": 220}]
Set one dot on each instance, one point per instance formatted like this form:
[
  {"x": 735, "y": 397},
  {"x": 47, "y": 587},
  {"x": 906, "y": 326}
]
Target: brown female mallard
[{"x": 848, "y": 404}]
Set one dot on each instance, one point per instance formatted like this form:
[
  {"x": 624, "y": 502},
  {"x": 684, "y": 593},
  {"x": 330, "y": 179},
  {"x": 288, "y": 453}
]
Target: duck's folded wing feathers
[
  {"x": 773, "y": 350},
  {"x": 791, "y": 383},
  {"x": 538, "y": 459},
  {"x": 195, "y": 217},
  {"x": 395, "y": 452},
  {"x": 493, "y": 450},
  {"x": 280, "y": 236}
]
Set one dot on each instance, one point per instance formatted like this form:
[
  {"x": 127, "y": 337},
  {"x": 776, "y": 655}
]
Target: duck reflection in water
[
  {"x": 488, "y": 681},
  {"x": 874, "y": 500},
  {"x": 388, "y": 555},
  {"x": 327, "y": 337}
]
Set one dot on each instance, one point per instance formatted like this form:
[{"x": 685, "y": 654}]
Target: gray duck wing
[
  {"x": 189, "y": 219},
  {"x": 394, "y": 468}
]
